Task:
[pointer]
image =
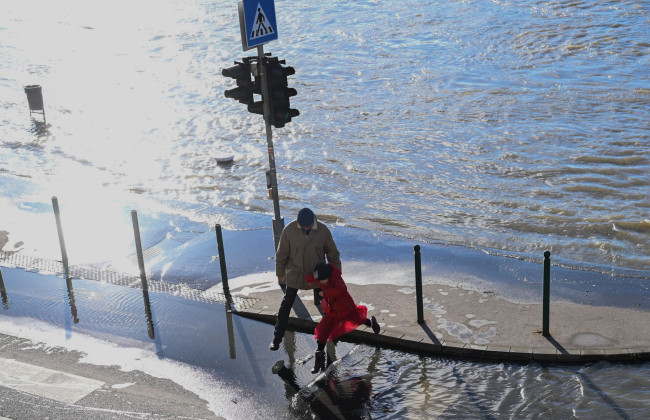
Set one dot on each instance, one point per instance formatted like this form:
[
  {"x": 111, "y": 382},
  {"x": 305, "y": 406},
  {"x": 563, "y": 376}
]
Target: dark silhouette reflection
[
  {"x": 473, "y": 396},
  {"x": 335, "y": 395},
  {"x": 39, "y": 128},
  {"x": 147, "y": 312},
  {"x": 608, "y": 400},
  {"x": 231, "y": 331},
  {"x": 249, "y": 351},
  {"x": 3, "y": 292},
  {"x": 73, "y": 305}
]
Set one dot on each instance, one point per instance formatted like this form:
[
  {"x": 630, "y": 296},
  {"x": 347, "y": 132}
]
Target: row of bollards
[
  {"x": 141, "y": 266},
  {"x": 143, "y": 277},
  {"x": 138, "y": 247},
  {"x": 546, "y": 289}
]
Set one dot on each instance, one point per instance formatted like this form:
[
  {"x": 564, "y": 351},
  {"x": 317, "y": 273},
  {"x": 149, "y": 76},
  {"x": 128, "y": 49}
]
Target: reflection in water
[
  {"x": 338, "y": 393},
  {"x": 3, "y": 291},
  {"x": 231, "y": 332},
  {"x": 473, "y": 395},
  {"x": 40, "y": 129},
  {"x": 333, "y": 395},
  {"x": 73, "y": 306},
  {"x": 147, "y": 312}
]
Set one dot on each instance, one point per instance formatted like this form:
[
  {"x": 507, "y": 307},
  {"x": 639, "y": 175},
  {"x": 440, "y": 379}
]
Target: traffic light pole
[{"x": 278, "y": 221}]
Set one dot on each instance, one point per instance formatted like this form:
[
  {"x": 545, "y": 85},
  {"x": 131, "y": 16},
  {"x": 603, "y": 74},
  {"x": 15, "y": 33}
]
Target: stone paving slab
[{"x": 470, "y": 324}]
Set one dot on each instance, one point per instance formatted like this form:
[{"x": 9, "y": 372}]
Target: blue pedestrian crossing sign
[{"x": 257, "y": 22}]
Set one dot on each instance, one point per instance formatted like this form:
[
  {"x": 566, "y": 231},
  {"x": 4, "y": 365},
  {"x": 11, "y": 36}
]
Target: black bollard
[
  {"x": 547, "y": 293},
  {"x": 138, "y": 249},
  {"x": 64, "y": 253},
  {"x": 222, "y": 260},
  {"x": 418, "y": 283}
]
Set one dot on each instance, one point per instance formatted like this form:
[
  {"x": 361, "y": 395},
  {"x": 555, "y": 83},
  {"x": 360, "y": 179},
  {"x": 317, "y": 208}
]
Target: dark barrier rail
[
  {"x": 222, "y": 259},
  {"x": 418, "y": 283},
  {"x": 138, "y": 248},
  {"x": 547, "y": 294},
  {"x": 64, "y": 253}
]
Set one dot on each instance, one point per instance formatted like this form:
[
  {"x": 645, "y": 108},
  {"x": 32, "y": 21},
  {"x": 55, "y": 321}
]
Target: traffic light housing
[
  {"x": 279, "y": 91},
  {"x": 246, "y": 87}
]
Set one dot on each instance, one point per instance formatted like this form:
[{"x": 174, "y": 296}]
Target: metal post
[
  {"x": 138, "y": 249},
  {"x": 547, "y": 293},
  {"x": 418, "y": 283},
  {"x": 278, "y": 221},
  {"x": 222, "y": 259},
  {"x": 64, "y": 253}
]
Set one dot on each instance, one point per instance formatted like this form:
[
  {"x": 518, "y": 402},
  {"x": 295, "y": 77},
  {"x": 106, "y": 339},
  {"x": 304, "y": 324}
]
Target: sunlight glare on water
[{"x": 511, "y": 127}]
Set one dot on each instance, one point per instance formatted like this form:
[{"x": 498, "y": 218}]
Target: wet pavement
[
  {"x": 479, "y": 325},
  {"x": 37, "y": 382},
  {"x": 483, "y": 322}
]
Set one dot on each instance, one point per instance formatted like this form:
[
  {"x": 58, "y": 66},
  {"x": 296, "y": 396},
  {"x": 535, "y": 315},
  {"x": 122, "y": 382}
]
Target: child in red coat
[{"x": 342, "y": 315}]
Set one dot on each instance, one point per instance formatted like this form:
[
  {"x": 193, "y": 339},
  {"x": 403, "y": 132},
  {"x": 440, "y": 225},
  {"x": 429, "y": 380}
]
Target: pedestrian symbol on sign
[
  {"x": 257, "y": 23},
  {"x": 261, "y": 27}
]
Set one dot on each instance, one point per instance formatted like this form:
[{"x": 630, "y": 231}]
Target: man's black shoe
[{"x": 275, "y": 344}]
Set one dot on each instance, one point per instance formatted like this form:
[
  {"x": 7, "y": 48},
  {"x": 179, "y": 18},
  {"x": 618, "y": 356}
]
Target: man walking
[{"x": 303, "y": 243}]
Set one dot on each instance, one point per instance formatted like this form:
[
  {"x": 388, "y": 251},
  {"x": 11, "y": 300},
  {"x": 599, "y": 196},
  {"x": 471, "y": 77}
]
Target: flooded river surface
[
  {"x": 509, "y": 126},
  {"x": 501, "y": 128}
]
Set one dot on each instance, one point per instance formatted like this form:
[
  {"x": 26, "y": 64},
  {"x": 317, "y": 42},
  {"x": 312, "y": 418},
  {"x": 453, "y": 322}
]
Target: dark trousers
[
  {"x": 283, "y": 314},
  {"x": 285, "y": 309}
]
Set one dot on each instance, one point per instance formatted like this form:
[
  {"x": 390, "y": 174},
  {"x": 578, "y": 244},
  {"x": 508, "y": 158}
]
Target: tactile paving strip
[{"x": 48, "y": 266}]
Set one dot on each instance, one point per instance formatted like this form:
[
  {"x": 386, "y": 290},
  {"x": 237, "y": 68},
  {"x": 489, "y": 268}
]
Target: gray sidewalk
[{"x": 470, "y": 324}]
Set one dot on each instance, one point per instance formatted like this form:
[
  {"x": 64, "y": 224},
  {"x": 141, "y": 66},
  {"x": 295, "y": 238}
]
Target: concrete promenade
[{"x": 469, "y": 324}]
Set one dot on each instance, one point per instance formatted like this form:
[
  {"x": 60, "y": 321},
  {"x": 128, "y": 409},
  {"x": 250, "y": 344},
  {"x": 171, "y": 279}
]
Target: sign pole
[{"x": 278, "y": 221}]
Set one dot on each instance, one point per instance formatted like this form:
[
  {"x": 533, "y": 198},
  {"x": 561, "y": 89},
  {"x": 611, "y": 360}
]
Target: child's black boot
[{"x": 375, "y": 325}]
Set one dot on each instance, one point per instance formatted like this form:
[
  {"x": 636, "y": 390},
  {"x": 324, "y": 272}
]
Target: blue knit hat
[{"x": 305, "y": 217}]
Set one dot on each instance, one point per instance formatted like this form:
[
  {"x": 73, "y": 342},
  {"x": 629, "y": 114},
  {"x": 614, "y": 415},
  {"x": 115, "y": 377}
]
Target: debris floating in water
[{"x": 224, "y": 157}]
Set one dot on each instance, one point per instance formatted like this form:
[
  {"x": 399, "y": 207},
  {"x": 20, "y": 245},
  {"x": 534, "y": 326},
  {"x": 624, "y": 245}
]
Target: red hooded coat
[{"x": 342, "y": 315}]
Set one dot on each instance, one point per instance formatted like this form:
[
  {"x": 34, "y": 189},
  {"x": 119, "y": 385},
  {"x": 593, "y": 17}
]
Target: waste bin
[{"x": 34, "y": 97}]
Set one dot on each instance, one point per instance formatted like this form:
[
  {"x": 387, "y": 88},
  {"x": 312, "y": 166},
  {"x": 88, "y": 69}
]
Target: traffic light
[
  {"x": 241, "y": 72},
  {"x": 279, "y": 92}
]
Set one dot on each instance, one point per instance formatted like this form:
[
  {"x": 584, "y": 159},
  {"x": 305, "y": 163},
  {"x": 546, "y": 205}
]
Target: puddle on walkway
[{"x": 224, "y": 359}]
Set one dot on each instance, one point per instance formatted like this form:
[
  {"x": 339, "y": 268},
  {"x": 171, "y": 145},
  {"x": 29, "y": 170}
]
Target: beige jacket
[{"x": 297, "y": 253}]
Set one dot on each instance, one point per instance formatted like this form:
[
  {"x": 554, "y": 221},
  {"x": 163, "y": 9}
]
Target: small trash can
[{"x": 34, "y": 97}]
